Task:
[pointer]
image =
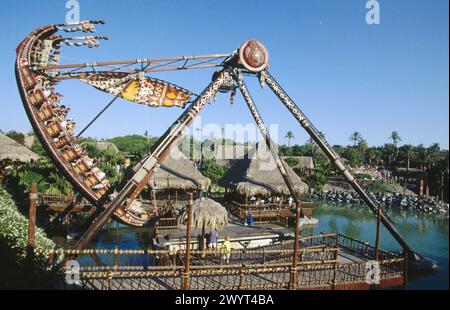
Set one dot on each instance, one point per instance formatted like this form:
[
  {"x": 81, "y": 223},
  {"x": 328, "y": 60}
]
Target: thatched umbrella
[
  {"x": 10, "y": 149},
  {"x": 207, "y": 213}
]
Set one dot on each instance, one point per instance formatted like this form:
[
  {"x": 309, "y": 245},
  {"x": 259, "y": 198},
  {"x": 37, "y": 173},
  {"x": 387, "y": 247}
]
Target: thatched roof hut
[
  {"x": 178, "y": 172},
  {"x": 258, "y": 175},
  {"x": 104, "y": 145},
  {"x": 10, "y": 149},
  {"x": 304, "y": 162}
]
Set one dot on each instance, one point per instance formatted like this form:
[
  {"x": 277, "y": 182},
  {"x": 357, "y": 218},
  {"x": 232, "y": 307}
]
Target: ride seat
[
  {"x": 36, "y": 97},
  {"x": 28, "y": 79}
]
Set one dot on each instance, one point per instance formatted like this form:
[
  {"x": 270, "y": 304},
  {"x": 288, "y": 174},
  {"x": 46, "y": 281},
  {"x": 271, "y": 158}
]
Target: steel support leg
[
  {"x": 145, "y": 171},
  {"x": 287, "y": 179},
  {"x": 332, "y": 156}
]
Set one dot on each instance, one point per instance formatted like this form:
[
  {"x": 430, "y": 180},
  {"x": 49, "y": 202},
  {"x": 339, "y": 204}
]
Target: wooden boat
[{"x": 38, "y": 101}]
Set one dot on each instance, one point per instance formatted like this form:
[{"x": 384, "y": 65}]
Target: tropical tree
[
  {"x": 395, "y": 137},
  {"x": 289, "y": 136},
  {"x": 355, "y": 138},
  {"x": 389, "y": 153},
  {"x": 433, "y": 154},
  {"x": 408, "y": 152},
  {"x": 354, "y": 158},
  {"x": 312, "y": 145},
  {"x": 421, "y": 155},
  {"x": 374, "y": 156},
  {"x": 362, "y": 147}
]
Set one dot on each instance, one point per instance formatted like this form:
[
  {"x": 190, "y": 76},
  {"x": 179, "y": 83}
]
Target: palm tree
[
  {"x": 409, "y": 153},
  {"x": 395, "y": 137},
  {"x": 433, "y": 154},
  {"x": 313, "y": 144},
  {"x": 421, "y": 154},
  {"x": 355, "y": 137},
  {"x": 289, "y": 136},
  {"x": 362, "y": 147}
]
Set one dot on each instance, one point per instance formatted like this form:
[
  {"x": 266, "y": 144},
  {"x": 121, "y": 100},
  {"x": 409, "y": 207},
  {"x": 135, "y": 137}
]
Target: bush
[
  {"x": 380, "y": 186},
  {"x": 14, "y": 226},
  {"x": 291, "y": 161},
  {"x": 213, "y": 171},
  {"x": 47, "y": 177},
  {"x": 317, "y": 180},
  {"x": 363, "y": 176},
  {"x": 133, "y": 144},
  {"x": 19, "y": 271}
]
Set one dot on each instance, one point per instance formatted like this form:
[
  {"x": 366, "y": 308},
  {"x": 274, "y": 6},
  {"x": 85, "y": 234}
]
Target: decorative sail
[{"x": 138, "y": 88}]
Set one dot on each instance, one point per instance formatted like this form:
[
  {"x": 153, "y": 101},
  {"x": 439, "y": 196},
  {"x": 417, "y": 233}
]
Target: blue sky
[{"x": 346, "y": 75}]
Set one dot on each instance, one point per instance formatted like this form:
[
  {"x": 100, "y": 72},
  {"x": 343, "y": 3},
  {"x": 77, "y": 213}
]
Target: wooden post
[
  {"x": 153, "y": 194},
  {"x": 188, "y": 244},
  {"x": 110, "y": 277},
  {"x": 116, "y": 258},
  {"x": 421, "y": 191},
  {"x": 241, "y": 279},
  {"x": 32, "y": 217},
  {"x": 405, "y": 268},
  {"x": 377, "y": 240},
  {"x": 296, "y": 247}
]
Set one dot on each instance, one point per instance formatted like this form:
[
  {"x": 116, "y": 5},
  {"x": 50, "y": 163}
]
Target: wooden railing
[
  {"x": 168, "y": 223},
  {"x": 48, "y": 199},
  {"x": 261, "y": 268},
  {"x": 266, "y": 213}
]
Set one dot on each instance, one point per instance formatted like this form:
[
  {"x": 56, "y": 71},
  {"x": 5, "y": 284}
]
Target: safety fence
[{"x": 319, "y": 265}]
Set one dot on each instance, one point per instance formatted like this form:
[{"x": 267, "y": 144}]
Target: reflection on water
[{"x": 426, "y": 234}]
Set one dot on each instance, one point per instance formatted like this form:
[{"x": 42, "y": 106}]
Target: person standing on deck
[
  {"x": 213, "y": 239},
  {"x": 227, "y": 249},
  {"x": 250, "y": 219}
]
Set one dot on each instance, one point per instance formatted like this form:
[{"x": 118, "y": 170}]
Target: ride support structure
[{"x": 38, "y": 72}]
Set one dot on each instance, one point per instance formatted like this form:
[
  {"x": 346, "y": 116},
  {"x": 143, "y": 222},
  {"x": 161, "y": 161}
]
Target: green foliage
[
  {"x": 362, "y": 176},
  {"x": 14, "y": 226},
  {"x": 134, "y": 144},
  {"x": 92, "y": 150},
  {"x": 38, "y": 148},
  {"x": 317, "y": 180},
  {"x": 353, "y": 156},
  {"x": 213, "y": 171},
  {"x": 323, "y": 170},
  {"x": 291, "y": 161},
  {"x": 108, "y": 160},
  {"x": 24, "y": 272},
  {"x": 381, "y": 186},
  {"x": 16, "y": 136},
  {"x": 18, "y": 270},
  {"x": 47, "y": 177}
]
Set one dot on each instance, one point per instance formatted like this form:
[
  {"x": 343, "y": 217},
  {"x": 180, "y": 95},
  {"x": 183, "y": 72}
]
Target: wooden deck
[
  {"x": 330, "y": 261},
  {"x": 348, "y": 275}
]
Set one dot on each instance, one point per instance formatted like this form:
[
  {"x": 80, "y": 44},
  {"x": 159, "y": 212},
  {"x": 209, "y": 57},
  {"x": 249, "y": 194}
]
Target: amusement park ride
[{"x": 38, "y": 72}]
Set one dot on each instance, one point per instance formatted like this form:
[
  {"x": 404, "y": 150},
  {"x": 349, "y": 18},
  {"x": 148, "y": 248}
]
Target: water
[{"x": 426, "y": 234}]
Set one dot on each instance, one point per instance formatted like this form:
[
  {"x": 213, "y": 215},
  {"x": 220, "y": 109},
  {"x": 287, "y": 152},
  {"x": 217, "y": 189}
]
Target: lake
[{"x": 426, "y": 234}]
